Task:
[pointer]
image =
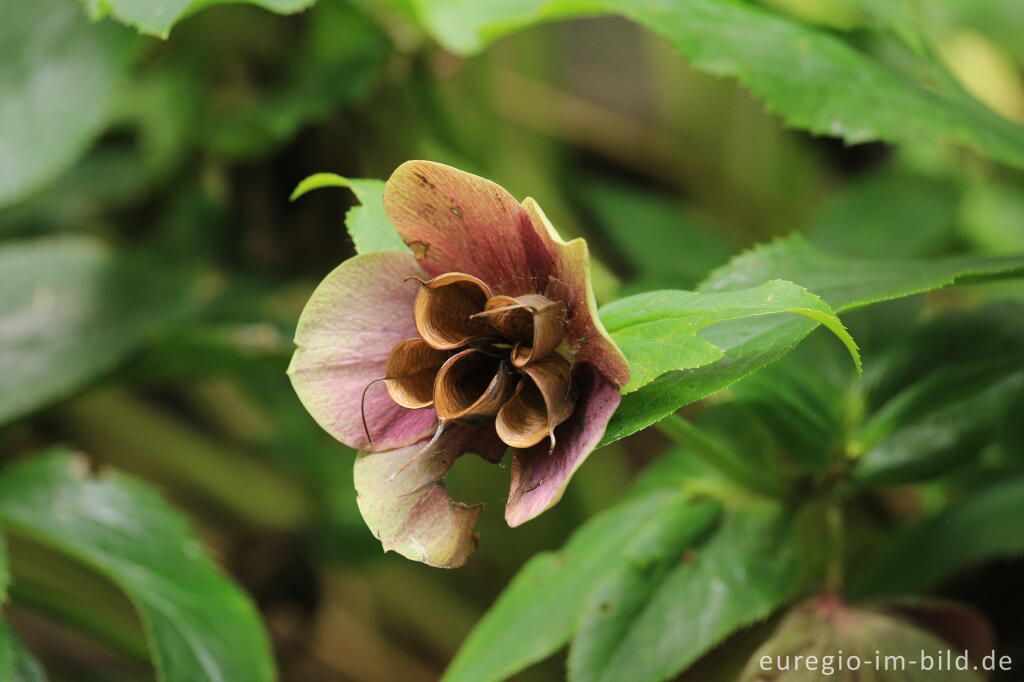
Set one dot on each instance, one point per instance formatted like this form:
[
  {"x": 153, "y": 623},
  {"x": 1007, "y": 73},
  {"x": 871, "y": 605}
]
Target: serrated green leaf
[
  {"x": 658, "y": 331},
  {"x": 71, "y": 309},
  {"x": 677, "y": 612},
  {"x": 748, "y": 346},
  {"x": 201, "y": 628},
  {"x": 846, "y": 282},
  {"x": 984, "y": 524},
  {"x": 157, "y": 18},
  {"x": 842, "y": 282},
  {"x": 812, "y": 78},
  {"x": 58, "y": 79},
  {"x": 17, "y": 664},
  {"x": 368, "y": 224},
  {"x": 537, "y": 613}
]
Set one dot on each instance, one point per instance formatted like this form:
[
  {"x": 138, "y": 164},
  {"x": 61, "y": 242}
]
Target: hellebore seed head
[
  {"x": 484, "y": 336},
  {"x": 481, "y": 356}
]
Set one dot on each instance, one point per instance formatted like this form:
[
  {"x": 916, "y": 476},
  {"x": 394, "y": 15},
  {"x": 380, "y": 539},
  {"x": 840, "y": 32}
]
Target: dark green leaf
[
  {"x": 58, "y": 79},
  {"x": 368, "y": 224},
  {"x": 658, "y": 331},
  {"x": 888, "y": 215},
  {"x": 17, "y": 664},
  {"x": 984, "y": 524},
  {"x": 843, "y": 282},
  {"x": 341, "y": 56},
  {"x": 801, "y": 413},
  {"x": 538, "y": 612},
  {"x": 71, "y": 309},
  {"x": 937, "y": 423},
  {"x": 677, "y": 611},
  {"x": 676, "y": 246},
  {"x": 812, "y": 78},
  {"x": 200, "y": 626},
  {"x": 847, "y": 282}
]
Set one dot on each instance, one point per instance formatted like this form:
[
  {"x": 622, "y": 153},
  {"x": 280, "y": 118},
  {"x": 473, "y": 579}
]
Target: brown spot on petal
[
  {"x": 425, "y": 181},
  {"x": 419, "y": 249}
]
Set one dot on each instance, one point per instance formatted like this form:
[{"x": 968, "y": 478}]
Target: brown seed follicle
[
  {"x": 462, "y": 389},
  {"x": 482, "y": 356},
  {"x": 444, "y": 309},
  {"x": 543, "y": 400},
  {"x": 411, "y": 368},
  {"x": 534, "y": 322}
]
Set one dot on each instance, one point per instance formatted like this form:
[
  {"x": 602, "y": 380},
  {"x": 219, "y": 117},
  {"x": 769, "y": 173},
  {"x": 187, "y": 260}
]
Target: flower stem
[
  {"x": 714, "y": 455},
  {"x": 836, "y": 533}
]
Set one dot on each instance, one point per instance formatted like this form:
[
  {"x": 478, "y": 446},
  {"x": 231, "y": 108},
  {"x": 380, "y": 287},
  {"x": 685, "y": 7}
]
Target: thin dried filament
[
  {"x": 444, "y": 309},
  {"x": 541, "y": 402},
  {"x": 534, "y": 322},
  {"x": 472, "y": 384},
  {"x": 411, "y": 368},
  {"x": 512, "y": 317}
]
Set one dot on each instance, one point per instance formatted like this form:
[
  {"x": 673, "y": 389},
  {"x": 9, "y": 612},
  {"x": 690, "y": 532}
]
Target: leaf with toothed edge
[
  {"x": 659, "y": 331},
  {"x": 843, "y": 282},
  {"x": 811, "y": 77}
]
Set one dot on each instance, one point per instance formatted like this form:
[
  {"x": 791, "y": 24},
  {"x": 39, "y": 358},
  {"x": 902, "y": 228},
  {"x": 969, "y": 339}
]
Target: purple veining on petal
[
  {"x": 351, "y": 322},
  {"x": 459, "y": 222},
  {"x": 538, "y": 477}
]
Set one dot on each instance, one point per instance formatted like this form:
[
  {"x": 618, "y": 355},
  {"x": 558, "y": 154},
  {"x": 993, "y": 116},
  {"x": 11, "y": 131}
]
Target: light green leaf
[
  {"x": 658, "y": 331},
  {"x": 58, "y": 79},
  {"x": 985, "y": 524},
  {"x": 70, "y": 309},
  {"x": 538, "y": 612},
  {"x": 368, "y": 224},
  {"x": 812, "y": 78},
  {"x": 749, "y": 344},
  {"x": 157, "y": 18},
  {"x": 201, "y": 628},
  {"x": 676, "y": 612},
  {"x": 17, "y": 664}
]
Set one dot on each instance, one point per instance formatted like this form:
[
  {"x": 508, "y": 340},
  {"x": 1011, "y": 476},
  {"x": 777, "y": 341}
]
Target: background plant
[{"x": 153, "y": 268}]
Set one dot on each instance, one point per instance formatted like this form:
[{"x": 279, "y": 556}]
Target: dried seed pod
[
  {"x": 411, "y": 368},
  {"x": 444, "y": 310},
  {"x": 541, "y": 402},
  {"x": 472, "y": 384},
  {"x": 534, "y": 322}
]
